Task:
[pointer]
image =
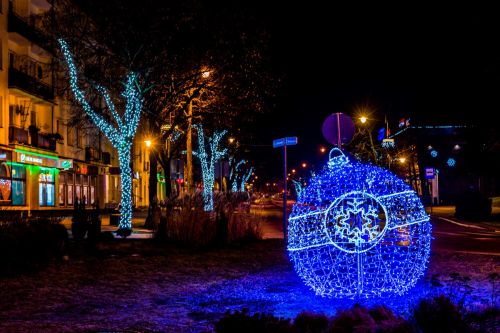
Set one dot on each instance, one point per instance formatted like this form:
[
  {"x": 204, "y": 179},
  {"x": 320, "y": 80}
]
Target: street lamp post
[{"x": 188, "y": 172}]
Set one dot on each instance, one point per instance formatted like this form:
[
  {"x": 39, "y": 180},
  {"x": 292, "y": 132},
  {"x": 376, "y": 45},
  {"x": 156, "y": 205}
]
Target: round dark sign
[{"x": 335, "y": 123}]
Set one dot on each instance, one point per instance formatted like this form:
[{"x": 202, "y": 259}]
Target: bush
[
  {"x": 187, "y": 223},
  {"x": 472, "y": 205},
  {"x": 242, "y": 322},
  {"x": 438, "y": 314},
  {"x": 307, "y": 322},
  {"x": 27, "y": 247},
  {"x": 360, "y": 319},
  {"x": 357, "y": 319}
]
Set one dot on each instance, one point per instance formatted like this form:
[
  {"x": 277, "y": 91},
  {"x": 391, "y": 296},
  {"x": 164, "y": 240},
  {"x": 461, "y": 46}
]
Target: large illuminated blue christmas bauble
[{"x": 358, "y": 231}]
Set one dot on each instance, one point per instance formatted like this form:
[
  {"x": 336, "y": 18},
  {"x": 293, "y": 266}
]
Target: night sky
[{"x": 434, "y": 64}]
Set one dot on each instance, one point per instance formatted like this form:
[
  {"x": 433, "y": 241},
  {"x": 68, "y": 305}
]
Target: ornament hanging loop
[{"x": 337, "y": 158}]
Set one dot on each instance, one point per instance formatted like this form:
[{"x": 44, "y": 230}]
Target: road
[{"x": 449, "y": 233}]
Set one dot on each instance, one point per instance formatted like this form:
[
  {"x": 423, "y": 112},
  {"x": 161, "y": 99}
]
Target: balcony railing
[
  {"x": 42, "y": 141},
  {"x": 30, "y": 76},
  {"x": 26, "y": 26},
  {"x": 18, "y": 135},
  {"x": 93, "y": 155}
]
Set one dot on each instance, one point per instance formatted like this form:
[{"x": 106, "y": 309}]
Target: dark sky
[{"x": 435, "y": 64}]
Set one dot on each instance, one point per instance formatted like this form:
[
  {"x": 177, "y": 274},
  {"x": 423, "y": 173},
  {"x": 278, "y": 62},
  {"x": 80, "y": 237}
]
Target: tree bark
[
  {"x": 124, "y": 157},
  {"x": 153, "y": 192}
]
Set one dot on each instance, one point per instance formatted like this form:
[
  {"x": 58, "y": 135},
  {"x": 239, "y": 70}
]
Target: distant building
[{"x": 462, "y": 157}]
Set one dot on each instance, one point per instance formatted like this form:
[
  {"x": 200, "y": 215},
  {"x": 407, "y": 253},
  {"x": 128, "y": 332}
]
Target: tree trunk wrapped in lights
[
  {"x": 120, "y": 136},
  {"x": 208, "y": 163},
  {"x": 245, "y": 178}
]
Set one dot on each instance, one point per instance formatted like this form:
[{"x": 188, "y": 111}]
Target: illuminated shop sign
[
  {"x": 31, "y": 159},
  {"x": 37, "y": 159},
  {"x": 66, "y": 164}
]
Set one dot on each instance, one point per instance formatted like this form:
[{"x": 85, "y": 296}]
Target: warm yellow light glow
[
  {"x": 205, "y": 74},
  {"x": 402, "y": 159},
  {"x": 147, "y": 143},
  {"x": 231, "y": 140},
  {"x": 293, "y": 170},
  {"x": 363, "y": 119},
  {"x": 304, "y": 165},
  {"x": 322, "y": 150}
]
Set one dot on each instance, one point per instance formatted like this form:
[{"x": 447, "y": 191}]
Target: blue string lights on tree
[
  {"x": 208, "y": 163},
  {"x": 358, "y": 231},
  {"x": 120, "y": 136}
]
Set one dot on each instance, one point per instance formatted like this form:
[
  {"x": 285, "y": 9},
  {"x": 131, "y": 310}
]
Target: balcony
[
  {"x": 42, "y": 141},
  {"x": 18, "y": 135},
  {"x": 93, "y": 155},
  {"x": 30, "y": 76},
  {"x": 27, "y": 27}
]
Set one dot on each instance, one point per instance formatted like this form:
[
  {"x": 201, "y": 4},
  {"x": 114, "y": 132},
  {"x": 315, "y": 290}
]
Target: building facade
[{"x": 45, "y": 164}]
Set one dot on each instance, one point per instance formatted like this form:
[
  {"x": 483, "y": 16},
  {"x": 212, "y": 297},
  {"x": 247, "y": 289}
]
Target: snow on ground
[{"x": 139, "y": 286}]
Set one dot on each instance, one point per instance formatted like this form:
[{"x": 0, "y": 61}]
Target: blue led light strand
[
  {"x": 358, "y": 231},
  {"x": 235, "y": 174},
  {"x": 208, "y": 163},
  {"x": 121, "y": 137},
  {"x": 244, "y": 179}
]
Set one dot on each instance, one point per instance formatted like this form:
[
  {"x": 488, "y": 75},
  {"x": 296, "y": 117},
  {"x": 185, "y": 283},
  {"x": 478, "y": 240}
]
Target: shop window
[
  {"x": 18, "y": 185},
  {"x": 78, "y": 188},
  {"x": 5, "y": 184},
  {"x": 70, "y": 195},
  {"x": 46, "y": 188},
  {"x": 62, "y": 189}
]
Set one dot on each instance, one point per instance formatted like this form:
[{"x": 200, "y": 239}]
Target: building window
[
  {"x": 33, "y": 118},
  {"x": 5, "y": 184},
  {"x": 62, "y": 189},
  {"x": 46, "y": 188},
  {"x": 79, "y": 137},
  {"x": 1, "y": 108},
  {"x": 69, "y": 139},
  {"x": 59, "y": 129},
  {"x": 18, "y": 185}
]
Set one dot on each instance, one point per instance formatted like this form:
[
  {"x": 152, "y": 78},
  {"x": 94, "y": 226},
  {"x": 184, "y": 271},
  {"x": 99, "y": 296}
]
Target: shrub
[
  {"x": 307, "y": 322},
  {"x": 187, "y": 223},
  {"x": 242, "y": 322},
  {"x": 29, "y": 246},
  {"x": 360, "y": 319},
  {"x": 438, "y": 314}
]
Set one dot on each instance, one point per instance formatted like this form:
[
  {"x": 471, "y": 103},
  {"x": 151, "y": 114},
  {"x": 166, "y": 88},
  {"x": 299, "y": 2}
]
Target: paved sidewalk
[
  {"x": 138, "y": 232},
  {"x": 447, "y": 213}
]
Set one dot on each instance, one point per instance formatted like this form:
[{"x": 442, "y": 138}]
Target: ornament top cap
[{"x": 337, "y": 158}]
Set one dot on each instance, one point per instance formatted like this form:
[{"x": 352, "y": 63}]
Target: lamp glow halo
[{"x": 358, "y": 231}]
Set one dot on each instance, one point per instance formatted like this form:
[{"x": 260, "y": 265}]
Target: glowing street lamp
[
  {"x": 322, "y": 150},
  {"x": 363, "y": 119},
  {"x": 304, "y": 165},
  {"x": 402, "y": 160},
  {"x": 147, "y": 143}
]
